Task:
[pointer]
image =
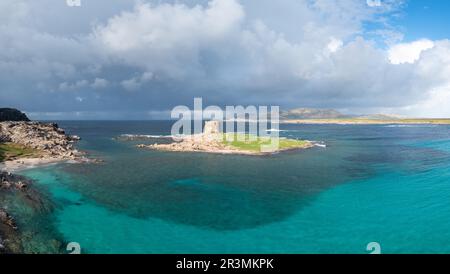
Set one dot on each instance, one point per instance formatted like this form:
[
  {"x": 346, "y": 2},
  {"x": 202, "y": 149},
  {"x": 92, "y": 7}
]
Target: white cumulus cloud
[{"x": 409, "y": 52}]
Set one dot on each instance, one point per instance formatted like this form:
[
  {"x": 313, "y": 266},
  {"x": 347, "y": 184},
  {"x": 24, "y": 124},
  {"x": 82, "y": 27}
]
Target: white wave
[
  {"x": 394, "y": 126},
  {"x": 320, "y": 145},
  {"x": 146, "y": 136},
  {"x": 280, "y": 130}
]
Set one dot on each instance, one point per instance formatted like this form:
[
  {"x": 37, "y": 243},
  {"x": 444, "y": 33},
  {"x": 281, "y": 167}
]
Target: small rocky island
[
  {"x": 214, "y": 141},
  {"x": 23, "y": 144}
]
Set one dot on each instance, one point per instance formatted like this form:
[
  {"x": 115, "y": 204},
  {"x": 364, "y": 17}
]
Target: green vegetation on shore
[
  {"x": 356, "y": 121},
  {"x": 252, "y": 143},
  {"x": 11, "y": 151}
]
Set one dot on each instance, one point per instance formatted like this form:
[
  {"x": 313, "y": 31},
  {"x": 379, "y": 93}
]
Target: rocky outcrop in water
[
  {"x": 18, "y": 190},
  {"x": 9, "y": 181},
  {"x": 48, "y": 138},
  {"x": 11, "y": 114},
  {"x": 9, "y": 236},
  {"x": 212, "y": 141}
]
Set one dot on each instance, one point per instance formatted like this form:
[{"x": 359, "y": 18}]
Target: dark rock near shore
[
  {"x": 11, "y": 114},
  {"x": 14, "y": 237},
  {"x": 9, "y": 181},
  {"x": 6, "y": 219},
  {"x": 10, "y": 240}
]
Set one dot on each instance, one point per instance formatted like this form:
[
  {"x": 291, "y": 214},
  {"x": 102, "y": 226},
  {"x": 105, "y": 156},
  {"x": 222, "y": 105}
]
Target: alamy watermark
[
  {"x": 73, "y": 3},
  {"x": 239, "y": 123},
  {"x": 74, "y": 248},
  {"x": 374, "y": 248}
]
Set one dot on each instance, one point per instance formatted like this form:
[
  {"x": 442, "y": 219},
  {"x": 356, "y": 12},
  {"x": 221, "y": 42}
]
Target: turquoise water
[{"x": 382, "y": 184}]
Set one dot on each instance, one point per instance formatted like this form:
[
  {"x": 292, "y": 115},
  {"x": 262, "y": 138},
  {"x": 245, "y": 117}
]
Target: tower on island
[{"x": 211, "y": 127}]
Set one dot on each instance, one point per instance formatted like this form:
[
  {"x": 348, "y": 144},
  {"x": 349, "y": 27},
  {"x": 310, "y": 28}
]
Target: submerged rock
[
  {"x": 6, "y": 219},
  {"x": 16, "y": 235}
]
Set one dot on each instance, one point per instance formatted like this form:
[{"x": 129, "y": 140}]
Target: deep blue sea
[{"x": 377, "y": 183}]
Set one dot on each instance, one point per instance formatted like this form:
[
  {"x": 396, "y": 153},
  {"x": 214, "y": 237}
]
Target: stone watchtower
[
  {"x": 211, "y": 131},
  {"x": 211, "y": 128}
]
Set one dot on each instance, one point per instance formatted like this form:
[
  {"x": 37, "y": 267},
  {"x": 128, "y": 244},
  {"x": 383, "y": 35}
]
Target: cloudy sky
[{"x": 126, "y": 59}]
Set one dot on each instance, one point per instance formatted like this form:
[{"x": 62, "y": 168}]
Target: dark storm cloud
[{"x": 124, "y": 57}]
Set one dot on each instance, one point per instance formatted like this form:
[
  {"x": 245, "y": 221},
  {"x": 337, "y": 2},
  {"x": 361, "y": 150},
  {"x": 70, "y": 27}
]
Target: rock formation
[
  {"x": 48, "y": 138},
  {"x": 13, "y": 238},
  {"x": 3, "y": 136}
]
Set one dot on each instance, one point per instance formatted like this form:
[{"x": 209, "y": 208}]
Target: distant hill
[
  {"x": 11, "y": 114},
  {"x": 382, "y": 117},
  {"x": 312, "y": 113},
  {"x": 315, "y": 113}
]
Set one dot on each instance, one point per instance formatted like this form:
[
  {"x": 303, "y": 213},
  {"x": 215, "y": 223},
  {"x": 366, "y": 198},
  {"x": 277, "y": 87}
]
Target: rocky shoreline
[
  {"x": 49, "y": 138},
  {"x": 206, "y": 145},
  {"x": 9, "y": 235},
  {"x": 199, "y": 143},
  {"x": 13, "y": 238},
  {"x": 50, "y": 144}
]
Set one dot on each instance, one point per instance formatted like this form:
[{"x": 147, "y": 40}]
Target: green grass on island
[
  {"x": 252, "y": 143},
  {"x": 11, "y": 151},
  {"x": 407, "y": 121}
]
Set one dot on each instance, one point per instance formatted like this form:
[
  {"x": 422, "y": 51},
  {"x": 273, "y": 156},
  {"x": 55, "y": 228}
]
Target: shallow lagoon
[{"x": 388, "y": 184}]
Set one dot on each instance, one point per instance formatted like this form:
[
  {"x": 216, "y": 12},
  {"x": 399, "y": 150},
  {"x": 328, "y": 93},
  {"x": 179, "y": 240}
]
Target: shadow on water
[{"x": 220, "y": 192}]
